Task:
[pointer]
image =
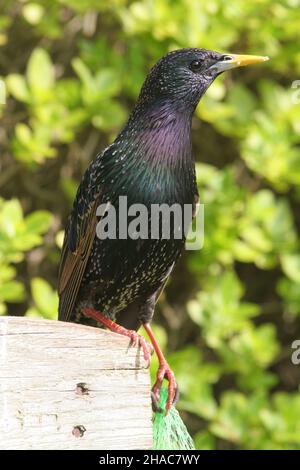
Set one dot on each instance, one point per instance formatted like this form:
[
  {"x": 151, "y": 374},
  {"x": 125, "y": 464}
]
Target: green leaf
[
  {"x": 40, "y": 74},
  {"x": 83, "y": 72},
  {"x": 204, "y": 440},
  {"x": 45, "y": 298},
  {"x": 38, "y": 222},
  {"x": 33, "y": 13},
  {"x": 291, "y": 266},
  {"x": 10, "y": 216},
  {"x": 12, "y": 291},
  {"x": 17, "y": 86},
  {"x": 110, "y": 115},
  {"x": 107, "y": 82}
]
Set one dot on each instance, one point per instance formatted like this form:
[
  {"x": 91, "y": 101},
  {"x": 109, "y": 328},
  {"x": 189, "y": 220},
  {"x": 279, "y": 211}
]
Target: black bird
[{"x": 150, "y": 162}]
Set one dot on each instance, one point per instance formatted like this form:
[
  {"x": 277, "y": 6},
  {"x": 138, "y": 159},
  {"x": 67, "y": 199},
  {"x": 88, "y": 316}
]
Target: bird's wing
[{"x": 78, "y": 241}]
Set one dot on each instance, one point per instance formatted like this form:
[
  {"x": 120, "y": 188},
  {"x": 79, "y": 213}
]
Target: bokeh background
[{"x": 229, "y": 315}]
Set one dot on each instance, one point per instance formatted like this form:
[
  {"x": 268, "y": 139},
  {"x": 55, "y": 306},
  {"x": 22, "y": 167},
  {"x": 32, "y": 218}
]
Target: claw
[
  {"x": 155, "y": 404},
  {"x": 165, "y": 372},
  {"x": 135, "y": 338},
  {"x": 139, "y": 341}
]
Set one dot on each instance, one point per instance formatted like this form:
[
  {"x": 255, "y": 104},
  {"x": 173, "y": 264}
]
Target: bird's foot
[
  {"x": 164, "y": 372},
  {"x": 139, "y": 341},
  {"x": 135, "y": 338}
]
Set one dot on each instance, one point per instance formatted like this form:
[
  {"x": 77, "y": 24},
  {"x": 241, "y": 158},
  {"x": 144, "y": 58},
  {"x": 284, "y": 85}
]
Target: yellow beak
[
  {"x": 240, "y": 60},
  {"x": 231, "y": 61}
]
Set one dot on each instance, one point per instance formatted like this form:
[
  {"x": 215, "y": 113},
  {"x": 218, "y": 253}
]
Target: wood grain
[{"x": 41, "y": 363}]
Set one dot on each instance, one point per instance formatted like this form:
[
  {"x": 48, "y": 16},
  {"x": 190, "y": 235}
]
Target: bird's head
[{"x": 183, "y": 76}]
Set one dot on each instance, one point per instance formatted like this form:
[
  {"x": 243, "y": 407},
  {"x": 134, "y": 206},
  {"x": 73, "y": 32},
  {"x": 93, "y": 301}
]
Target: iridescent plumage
[{"x": 150, "y": 162}]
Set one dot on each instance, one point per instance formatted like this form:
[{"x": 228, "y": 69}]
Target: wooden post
[{"x": 67, "y": 386}]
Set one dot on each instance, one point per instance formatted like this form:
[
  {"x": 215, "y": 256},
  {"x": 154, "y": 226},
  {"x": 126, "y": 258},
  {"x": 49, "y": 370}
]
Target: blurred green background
[{"x": 228, "y": 317}]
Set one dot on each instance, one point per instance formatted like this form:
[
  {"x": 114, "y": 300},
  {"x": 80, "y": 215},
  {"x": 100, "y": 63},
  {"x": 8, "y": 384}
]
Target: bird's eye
[
  {"x": 226, "y": 58},
  {"x": 195, "y": 66}
]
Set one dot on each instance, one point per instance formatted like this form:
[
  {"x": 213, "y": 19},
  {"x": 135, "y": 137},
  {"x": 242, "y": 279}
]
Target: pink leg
[
  {"x": 136, "y": 339},
  {"x": 164, "y": 371}
]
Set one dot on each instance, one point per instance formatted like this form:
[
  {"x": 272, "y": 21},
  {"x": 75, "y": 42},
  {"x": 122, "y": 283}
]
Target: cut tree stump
[{"x": 67, "y": 386}]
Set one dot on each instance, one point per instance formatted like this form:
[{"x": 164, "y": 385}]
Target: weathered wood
[{"x": 41, "y": 363}]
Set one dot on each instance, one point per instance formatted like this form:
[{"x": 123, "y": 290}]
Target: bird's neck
[
  {"x": 152, "y": 158},
  {"x": 162, "y": 133}
]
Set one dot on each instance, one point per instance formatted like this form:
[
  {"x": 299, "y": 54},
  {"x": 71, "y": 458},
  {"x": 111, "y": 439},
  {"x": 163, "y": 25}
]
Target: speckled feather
[{"x": 149, "y": 162}]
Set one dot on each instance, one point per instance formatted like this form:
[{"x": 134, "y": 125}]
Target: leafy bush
[{"x": 231, "y": 311}]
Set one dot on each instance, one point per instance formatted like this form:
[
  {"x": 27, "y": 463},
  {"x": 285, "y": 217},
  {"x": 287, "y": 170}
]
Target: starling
[{"x": 114, "y": 282}]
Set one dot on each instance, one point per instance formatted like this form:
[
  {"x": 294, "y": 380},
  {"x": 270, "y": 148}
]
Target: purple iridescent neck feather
[{"x": 162, "y": 133}]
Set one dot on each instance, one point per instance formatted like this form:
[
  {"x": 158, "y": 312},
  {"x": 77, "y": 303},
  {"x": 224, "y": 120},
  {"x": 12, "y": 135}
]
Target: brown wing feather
[{"x": 72, "y": 266}]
